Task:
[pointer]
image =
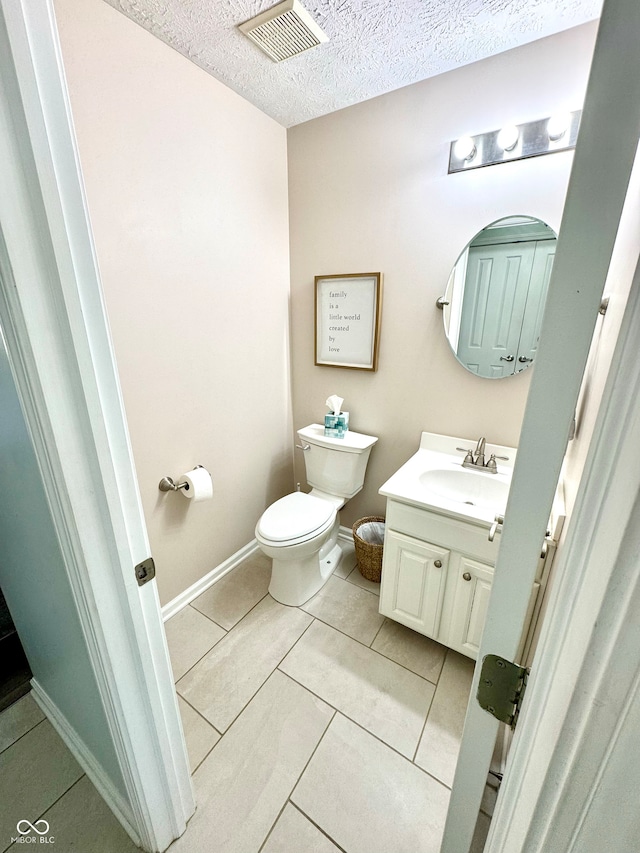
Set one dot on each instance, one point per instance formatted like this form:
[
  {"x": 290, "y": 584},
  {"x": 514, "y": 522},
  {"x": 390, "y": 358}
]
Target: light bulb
[
  {"x": 465, "y": 148},
  {"x": 508, "y": 137},
  {"x": 558, "y": 125}
]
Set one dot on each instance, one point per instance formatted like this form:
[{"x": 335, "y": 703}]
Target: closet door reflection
[{"x": 505, "y": 292}]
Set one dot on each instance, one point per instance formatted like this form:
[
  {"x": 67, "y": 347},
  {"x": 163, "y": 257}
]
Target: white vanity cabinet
[{"x": 437, "y": 574}]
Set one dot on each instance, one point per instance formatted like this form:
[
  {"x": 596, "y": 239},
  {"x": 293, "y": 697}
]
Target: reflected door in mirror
[{"x": 500, "y": 321}]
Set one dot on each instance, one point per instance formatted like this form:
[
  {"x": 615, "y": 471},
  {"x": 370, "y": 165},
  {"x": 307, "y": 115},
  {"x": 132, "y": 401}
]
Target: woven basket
[{"x": 368, "y": 555}]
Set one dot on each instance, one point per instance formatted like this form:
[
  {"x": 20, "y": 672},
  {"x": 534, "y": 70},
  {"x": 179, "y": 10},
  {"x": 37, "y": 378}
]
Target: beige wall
[
  {"x": 369, "y": 191},
  {"x": 187, "y": 190}
]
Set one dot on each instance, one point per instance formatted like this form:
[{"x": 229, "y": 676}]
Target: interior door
[
  {"x": 498, "y": 276},
  {"x": 544, "y": 254},
  {"x": 601, "y": 170}
]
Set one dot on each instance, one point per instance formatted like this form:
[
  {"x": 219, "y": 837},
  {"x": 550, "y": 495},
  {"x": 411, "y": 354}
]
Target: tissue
[
  {"x": 335, "y": 404},
  {"x": 336, "y": 423},
  {"x": 199, "y": 486}
]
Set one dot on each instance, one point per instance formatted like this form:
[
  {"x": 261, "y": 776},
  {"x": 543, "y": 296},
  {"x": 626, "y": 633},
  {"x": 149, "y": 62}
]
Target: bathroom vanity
[{"x": 441, "y": 542}]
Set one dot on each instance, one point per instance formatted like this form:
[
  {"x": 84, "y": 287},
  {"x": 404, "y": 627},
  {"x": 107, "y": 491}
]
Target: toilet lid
[{"x": 295, "y": 516}]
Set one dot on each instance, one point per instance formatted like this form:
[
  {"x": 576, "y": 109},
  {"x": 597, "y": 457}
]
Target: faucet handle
[
  {"x": 468, "y": 459},
  {"x": 491, "y": 464}
]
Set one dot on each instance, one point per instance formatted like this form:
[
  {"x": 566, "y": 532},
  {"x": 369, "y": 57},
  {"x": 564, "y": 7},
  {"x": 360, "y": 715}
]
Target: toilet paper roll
[{"x": 199, "y": 486}]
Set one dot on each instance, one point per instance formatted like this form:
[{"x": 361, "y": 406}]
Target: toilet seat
[{"x": 295, "y": 518}]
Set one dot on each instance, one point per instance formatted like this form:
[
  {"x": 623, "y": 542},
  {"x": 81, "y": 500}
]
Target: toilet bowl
[
  {"x": 300, "y": 534},
  {"x": 300, "y": 531}
]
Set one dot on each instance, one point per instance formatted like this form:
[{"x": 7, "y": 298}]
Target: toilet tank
[{"x": 336, "y": 465}]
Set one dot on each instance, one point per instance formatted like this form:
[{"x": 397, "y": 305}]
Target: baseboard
[
  {"x": 175, "y": 605},
  {"x": 345, "y": 533},
  {"x": 85, "y": 758},
  {"x": 172, "y": 607}
]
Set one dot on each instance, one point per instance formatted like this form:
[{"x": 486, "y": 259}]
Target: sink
[
  {"x": 434, "y": 479},
  {"x": 471, "y": 488}
]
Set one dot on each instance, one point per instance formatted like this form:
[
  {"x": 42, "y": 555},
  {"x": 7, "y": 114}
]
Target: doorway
[{"x": 15, "y": 673}]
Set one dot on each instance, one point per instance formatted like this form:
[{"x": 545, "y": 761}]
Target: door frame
[
  {"x": 583, "y": 695},
  {"x": 602, "y": 166},
  {"x": 55, "y": 326}
]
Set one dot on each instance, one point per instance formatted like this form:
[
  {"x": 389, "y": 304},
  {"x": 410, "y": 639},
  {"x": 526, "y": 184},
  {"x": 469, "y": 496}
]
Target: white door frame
[
  {"x": 600, "y": 176},
  {"x": 583, "y": 697},
  {"x": 53, "y": 317}
]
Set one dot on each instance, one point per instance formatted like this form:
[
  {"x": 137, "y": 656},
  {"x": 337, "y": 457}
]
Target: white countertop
[{"x": 472, "y": 496}]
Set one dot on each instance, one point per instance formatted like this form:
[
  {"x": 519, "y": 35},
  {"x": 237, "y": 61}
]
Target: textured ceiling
[{"x": 374, "y": 46}]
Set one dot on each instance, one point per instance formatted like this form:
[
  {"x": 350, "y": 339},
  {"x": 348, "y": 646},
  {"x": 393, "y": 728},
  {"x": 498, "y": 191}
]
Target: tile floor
[{"x": 317, "y": 729}]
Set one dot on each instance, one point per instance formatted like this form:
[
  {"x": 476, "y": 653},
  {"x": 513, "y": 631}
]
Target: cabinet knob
[
  {"x": 437, "y": 564},
  {"x": 467, "y": 576}
]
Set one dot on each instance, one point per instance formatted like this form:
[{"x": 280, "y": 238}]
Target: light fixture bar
[{"x": 534, "y": 139}]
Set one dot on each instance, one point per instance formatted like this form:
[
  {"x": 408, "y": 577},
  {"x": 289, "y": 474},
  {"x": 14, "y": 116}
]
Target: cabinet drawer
[
  {"x": 447, "y": 532},
  {"x": 413, "y": 582}
]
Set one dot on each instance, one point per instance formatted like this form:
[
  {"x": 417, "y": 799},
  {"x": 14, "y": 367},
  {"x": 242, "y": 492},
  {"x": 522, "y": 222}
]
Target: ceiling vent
[{"x": 284, "y": 31}]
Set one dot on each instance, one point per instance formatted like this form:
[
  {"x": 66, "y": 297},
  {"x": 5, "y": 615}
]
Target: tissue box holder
[{"x": 335, "y": 426}]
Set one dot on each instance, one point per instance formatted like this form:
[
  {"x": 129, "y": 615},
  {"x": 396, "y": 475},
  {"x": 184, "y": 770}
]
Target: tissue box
[{"x": 335, "y": 426}]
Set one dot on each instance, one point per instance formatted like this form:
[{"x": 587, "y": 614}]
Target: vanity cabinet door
[
  {"x": 413, "y": 582},
  {"x": 472, "y": 591}
]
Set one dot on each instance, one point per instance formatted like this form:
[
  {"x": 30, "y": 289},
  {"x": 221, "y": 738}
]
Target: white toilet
[{"x": 300, "y": 531}]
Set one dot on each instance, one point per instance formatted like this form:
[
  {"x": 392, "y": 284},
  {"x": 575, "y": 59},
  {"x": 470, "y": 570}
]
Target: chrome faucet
[{"x": 475, "y": 458}]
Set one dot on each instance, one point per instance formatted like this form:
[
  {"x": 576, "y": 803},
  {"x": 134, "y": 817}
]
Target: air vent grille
[{"x": 284, "y": 31}]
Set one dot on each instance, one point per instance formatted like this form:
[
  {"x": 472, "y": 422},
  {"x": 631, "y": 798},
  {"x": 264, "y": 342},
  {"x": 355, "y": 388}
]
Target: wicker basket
[{"x": 368, "y": 554}]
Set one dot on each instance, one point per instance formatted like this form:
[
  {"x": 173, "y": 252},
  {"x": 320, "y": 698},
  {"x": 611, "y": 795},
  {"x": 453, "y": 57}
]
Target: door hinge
[
  {"x": 145, "y": 571},
  {"x": 501, "y": 688}
]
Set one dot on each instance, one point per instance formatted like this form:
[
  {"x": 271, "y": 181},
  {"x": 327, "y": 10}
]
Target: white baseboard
[
  {"x": 86, "y": 759},
  {"x": 175, "y": 605},
  {"x": 345, "y": 533},
  {"x": 172, "y": 607}
]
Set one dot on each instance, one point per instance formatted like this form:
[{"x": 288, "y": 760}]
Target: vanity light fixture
[
  {"x": 558, "y": 125},
  {"x": 508, "y": 137},
  {"x": 515, "y": 142},
  {"x": 465, "y": 148}
]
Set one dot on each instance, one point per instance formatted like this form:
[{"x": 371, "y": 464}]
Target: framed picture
[{"x": 347, "y": 316}]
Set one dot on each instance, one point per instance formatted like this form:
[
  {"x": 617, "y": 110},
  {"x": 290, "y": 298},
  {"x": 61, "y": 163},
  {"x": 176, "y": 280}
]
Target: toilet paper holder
[{"x": 167, "y": 484}]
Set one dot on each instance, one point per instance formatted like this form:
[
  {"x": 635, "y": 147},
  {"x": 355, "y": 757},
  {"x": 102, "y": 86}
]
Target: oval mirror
[{"x": 496, "y": 294}]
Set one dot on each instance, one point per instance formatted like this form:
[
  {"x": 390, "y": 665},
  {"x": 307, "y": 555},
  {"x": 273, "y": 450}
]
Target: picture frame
[{"x": 347, "y": 320}]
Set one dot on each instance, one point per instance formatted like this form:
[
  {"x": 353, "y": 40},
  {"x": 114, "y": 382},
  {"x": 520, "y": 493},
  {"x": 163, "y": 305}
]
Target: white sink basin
[
  {"x": 434, "y": 479},
  {"x": 471, "y": 488}
]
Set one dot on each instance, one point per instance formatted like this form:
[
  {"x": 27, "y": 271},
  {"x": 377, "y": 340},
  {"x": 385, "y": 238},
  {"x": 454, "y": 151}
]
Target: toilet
[{"x": 300, "y": 531}]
